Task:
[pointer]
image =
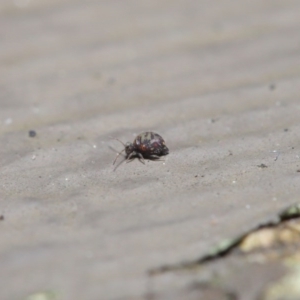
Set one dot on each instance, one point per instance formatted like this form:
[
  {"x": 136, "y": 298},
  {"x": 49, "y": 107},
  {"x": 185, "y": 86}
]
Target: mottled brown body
[
  {"x": 146, "y": 145},
  {"x": 150, "y": 143}
]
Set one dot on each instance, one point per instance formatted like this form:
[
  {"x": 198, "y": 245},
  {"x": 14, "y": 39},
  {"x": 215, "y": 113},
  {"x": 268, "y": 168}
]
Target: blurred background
[{"x": 219, "y": 80}]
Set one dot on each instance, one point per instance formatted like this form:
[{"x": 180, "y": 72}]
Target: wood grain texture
[{"x": 219, "y": 80}]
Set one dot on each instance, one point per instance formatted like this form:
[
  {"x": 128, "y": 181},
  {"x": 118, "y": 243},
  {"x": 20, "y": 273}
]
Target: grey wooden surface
[{"x": 219, "y": 80}]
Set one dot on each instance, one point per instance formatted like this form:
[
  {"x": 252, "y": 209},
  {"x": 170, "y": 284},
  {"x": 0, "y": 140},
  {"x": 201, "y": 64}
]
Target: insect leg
[
  {"x": 141, "y": 158},
  {"x": 130, "y": 157}
]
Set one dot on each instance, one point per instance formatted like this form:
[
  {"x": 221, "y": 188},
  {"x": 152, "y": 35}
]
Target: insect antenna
[
  {"x": 118, "y": 156},
  {"x": 117, "y": 140},
  {"x": 117, "y": 166}
]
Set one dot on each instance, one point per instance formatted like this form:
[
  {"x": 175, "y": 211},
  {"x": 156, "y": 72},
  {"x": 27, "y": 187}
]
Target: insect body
[{"x": 146, "y": 145}]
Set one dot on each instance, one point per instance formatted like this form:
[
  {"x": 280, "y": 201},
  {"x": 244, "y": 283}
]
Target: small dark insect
[{"x": 146, "y": 145}]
